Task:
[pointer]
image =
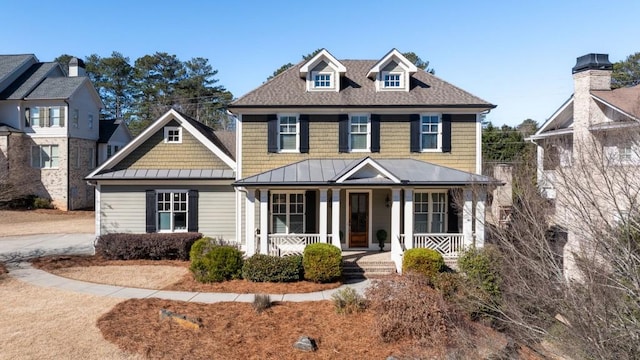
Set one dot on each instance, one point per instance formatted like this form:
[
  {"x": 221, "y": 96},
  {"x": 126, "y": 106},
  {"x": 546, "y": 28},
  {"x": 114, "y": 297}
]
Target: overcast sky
[{"x": 515, "y": 54}]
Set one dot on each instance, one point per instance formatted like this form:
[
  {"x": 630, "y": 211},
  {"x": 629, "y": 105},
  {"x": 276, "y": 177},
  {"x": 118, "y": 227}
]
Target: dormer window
[
  {"x": 322, "y": 80},
  {"x": 392, "y": 80},
  {"x": 173, "y": 135}
]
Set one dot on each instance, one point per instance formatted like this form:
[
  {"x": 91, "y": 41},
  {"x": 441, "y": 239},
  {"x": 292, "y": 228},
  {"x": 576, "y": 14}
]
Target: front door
[{"x": 358, "y": 219}]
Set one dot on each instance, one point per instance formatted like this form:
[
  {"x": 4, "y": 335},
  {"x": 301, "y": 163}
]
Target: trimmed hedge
[
  {"x": 215, "y": 263},
  {"x": 155, "y": 246},
  {"x": 322, "y": 262},
  {"x": 265, "y": 268},
  {"x": 426, "y": 262}
]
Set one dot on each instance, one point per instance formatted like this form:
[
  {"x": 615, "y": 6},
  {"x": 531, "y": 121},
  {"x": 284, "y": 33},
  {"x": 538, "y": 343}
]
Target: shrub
[
  {"x": 481, "y": 286},
  {"x": 347, "y": 301},
  {"x": 448, "y": 283},
  {"x": 322, "y": 262},
  {"x": 155, "y": 246},
  {"x": 407, "y": 307},
  {"x": 261, "y": 268},
  {"x": 427, "y": 262},
  {"x": 214, "y": 263},
  {"x": 261, "y": 302},
  {"x": 42, "y": 203}
]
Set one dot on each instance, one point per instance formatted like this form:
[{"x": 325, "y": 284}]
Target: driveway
[{"x": 13, "y": 248}]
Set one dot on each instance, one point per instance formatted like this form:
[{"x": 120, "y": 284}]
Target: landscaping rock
[
  {"x": 305, "y": 343},
  {"x": 182, "y": 320}
]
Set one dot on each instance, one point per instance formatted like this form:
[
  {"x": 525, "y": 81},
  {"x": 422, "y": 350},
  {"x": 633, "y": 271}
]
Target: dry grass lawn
[
  {"x": 45, "y": 221},
  {"x": 41, "y": 323}
]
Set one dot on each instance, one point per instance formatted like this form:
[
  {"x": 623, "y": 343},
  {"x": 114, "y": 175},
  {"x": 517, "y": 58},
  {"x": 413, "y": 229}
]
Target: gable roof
[
  {"x": 625, "y": 100},
  {"x": 31, "y": 78},
  {"x": 315, "y": 172},
  {"x": 12, "y": 63},
  {"x": 57, "y": 88},
  {"x": 108, "y": 127},
  {"x": 319, "y": 57},
  {"x": 394, "y": 54},
  {"x": 357, "y": 90},
  {"x": 201, "y": 132}
]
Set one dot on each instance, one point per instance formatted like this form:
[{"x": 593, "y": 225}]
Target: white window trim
[
  {"x": 332, "y": 81},
  {"x": 169, "y": 191},
  {"x": 430, "y": 209},
  {"x": 40, "y": 160},
  {"x": 172, "y": 128},
  {"x": 439, "y": 147},
  {"x": 368, "y": 149},
  {"x": 288, "y": 213},
  {"x": 90, "y": 121},
  {"x": 297, "y": 149}
]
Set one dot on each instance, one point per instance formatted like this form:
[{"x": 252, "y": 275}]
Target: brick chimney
[
  {"x": 76, "y": 67},
  {"x": 591, "y": 72}
]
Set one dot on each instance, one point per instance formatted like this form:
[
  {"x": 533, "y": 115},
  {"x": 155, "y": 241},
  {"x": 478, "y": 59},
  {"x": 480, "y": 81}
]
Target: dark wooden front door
[{"x": 358, "y": 220}]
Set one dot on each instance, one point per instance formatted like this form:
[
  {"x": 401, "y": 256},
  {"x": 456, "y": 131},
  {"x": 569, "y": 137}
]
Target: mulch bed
[
  {"x": 236, "y": 331},
  {"x": 187, "y": 283},
  {"x": 3, "y": 269}
]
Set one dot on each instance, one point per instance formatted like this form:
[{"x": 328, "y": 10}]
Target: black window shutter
[
  {"x": 310, "y": 209},
  {"x": 375, "y": 133},
  {"x": 452, "y": 211},
  {"x": 304, "y": 133},
  {"x": 192, "y": 221},
  {"x": 272, "y": 133},
  {"x": 343, "y": 133},
  {"x": 415, "y": 133},
  {"x": 151, "y": 211},
  {"x": 27, "y": 117},
  {"x": 446, "y": 132}
]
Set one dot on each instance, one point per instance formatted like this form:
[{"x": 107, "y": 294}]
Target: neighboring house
[
  {"x": 335, "y": 150},
  {"x": 48, "y": 130},
  {"x": 175, "y": 176},
  {"x": 114, "y": 135},
  {"x": 588, "y": 154}
]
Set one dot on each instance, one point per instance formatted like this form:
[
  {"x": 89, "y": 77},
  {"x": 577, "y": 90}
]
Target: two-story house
[
  {"x": 334, "y": 150},
  {"x": 49, "y": 127},
  {"x": 588, "y": 155}
]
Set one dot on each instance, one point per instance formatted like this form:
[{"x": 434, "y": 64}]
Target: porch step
[{"x": 364, "y": 269}]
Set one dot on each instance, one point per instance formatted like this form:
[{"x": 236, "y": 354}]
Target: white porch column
[
  {"x": 264, "y": 221},
  {"x": 98, "y": 219},
  {"x": 467, "y": 217},
  {"x": 480, "y": 199},
  {"x": 408, "y": 218},
  {"x": 395, "y": 220},
  {"x": 335, "y": 218},
  {"x": 250, "y": 222},
  {"x": 323, "y": 215}
]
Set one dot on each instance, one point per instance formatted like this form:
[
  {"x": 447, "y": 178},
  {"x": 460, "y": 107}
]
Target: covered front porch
[{"x": 350, "y": 208}]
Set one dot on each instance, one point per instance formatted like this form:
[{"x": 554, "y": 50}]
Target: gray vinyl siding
[
  {"x": 217, "y": 212},
  {"x": 122, "y": 208}
]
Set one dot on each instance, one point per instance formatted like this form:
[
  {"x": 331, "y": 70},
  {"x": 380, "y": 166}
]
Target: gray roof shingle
[
  {"x": 20, "y": 88},
  {"x": 315, "y": 172},
  {"x": 57, "y": 88},
  {"x": 288, "y": 89},
  {"x": 11, "y": 63}
]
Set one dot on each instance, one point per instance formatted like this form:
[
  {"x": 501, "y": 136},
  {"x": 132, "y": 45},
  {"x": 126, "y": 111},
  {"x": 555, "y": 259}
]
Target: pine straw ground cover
[
  {"x": 3, "y": 269},
  {"x": 96, "y": 269}
]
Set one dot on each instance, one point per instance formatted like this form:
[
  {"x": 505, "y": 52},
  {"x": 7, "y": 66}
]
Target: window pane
[
  {"x": 280, "y": 224},
  {"x": 420, "y": 223},
  {"x": 358, "y": 142},
  {"x": 164, "y": 221},
  {"x": 35, "y": 157},
  {"x": 180, "y": 221},
  {"x": 288, "y": 142},
  {"x": 297, "y": 224},
  {"x": 437, "y": 223},
  {"x": 429, "y": 141}
]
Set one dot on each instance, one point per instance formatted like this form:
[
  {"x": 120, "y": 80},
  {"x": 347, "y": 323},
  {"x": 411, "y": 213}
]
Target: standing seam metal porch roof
[{"x": 314, "y": 172}]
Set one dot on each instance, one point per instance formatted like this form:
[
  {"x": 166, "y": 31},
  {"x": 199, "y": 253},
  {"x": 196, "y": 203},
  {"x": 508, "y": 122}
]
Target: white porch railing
[
  {"x": 449, "y": 245},
  {"x": 292, "y": 244}
]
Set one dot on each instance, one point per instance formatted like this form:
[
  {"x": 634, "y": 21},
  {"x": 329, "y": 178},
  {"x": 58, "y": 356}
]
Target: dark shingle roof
[
  {"x": 315, "y": 172},
  {"x": 107, "y": 128},
  {"x": 20, "y": 88},
  {"x": 57, "y": 88},
  {"x": 625, "y": 99},
  {"x": 6, "y": 128},
  {"x": 10, "y": 63},
  {"x": 288, "y": 89}
]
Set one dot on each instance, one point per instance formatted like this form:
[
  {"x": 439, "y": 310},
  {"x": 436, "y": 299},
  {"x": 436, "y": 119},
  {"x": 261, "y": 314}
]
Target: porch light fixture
[{"x": 387, "y": 202}]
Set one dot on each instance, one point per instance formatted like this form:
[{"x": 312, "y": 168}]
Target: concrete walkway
[{"x": 16, "y": 250}]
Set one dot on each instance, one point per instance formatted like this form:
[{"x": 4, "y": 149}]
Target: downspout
[{"x": 66, "y": 124}]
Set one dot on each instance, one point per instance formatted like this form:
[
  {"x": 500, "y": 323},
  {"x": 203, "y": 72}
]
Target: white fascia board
[
  {"x": 322, "y": 55},
  {"x": 375, "y": 165},
  {"x": 549, "y": 121},
  {"x": 393, "y": 54},
  {"x": 608, "y": 104}
]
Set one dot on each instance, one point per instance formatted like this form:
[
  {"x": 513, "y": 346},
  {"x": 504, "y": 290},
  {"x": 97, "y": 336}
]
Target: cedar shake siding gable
[
  {"x": 154, "y": 153},
  {"x": 288, "y": 90}
]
